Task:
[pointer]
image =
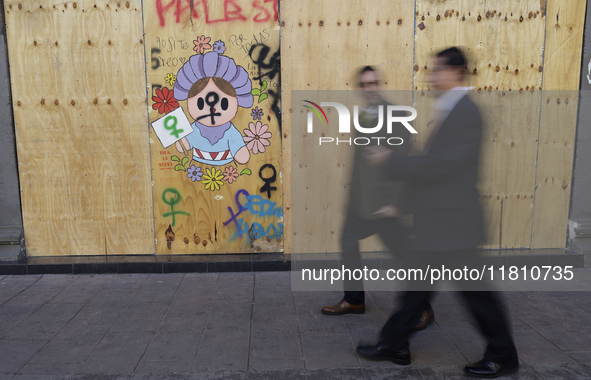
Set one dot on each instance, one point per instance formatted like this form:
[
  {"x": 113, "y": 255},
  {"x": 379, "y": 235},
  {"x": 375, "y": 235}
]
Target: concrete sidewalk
[{"x": 252, "y": 326}]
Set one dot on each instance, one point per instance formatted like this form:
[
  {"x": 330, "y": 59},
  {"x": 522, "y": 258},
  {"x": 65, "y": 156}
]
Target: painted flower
[
  {"x": 256, "y": 113},
  {"x": 202, "y": 44},
  {"x": 164, "y": 101},
  {"x": 194, "y": 173},
  {"x": 170, "y": 78},
  {"x": 219, "y": 46},
  {"x": 257, "y": 137},
  {"x": 213, "y": 179},
  {"x": 230, "y": 174}
]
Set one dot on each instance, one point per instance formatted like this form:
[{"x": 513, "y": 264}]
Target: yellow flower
[
  {"x": 170, "y": 78},
  {"x": 213, "y": 179}
]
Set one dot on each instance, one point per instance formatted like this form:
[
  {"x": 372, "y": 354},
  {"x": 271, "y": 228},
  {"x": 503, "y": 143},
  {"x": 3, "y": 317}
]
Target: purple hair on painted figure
[{"x": 212, "y": 64}]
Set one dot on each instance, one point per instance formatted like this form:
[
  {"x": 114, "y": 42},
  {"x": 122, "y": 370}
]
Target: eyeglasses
[{"x": 368, "y": 84}]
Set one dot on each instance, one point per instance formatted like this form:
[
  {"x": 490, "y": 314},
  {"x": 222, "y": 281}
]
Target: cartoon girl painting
[{"x": 214, "y": 87}]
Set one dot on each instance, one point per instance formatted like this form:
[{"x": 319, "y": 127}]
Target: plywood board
[
  {"x": 208, "y": 205},
  {"x": 78, "y": 90},
  {"x": 562, "y": 65},
  {"x": 322, "y": 50},
  {"x": 504, "y": 43}
]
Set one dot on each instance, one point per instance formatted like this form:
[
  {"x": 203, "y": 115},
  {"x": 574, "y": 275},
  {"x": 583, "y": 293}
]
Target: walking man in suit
[
  {"x": 374, "y": 204},
  {"x": 447, "y": 219}
]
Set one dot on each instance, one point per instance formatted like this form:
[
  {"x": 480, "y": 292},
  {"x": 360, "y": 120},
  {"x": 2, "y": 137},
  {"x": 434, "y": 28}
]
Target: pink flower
[
  {"x": 202, "y": 44},
  {"x": 230, "y": 174},
  {"x": 257, "y": 136}
]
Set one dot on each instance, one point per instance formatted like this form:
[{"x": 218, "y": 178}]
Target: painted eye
[
  {"x": 200, "y": 103},
  {"x": 224, "y": 104}
]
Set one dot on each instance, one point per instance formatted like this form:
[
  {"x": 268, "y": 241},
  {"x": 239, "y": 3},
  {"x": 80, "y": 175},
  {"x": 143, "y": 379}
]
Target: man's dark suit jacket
[
  {"x": 369, "y": 190},
  {"x": 443, "y": 198}
]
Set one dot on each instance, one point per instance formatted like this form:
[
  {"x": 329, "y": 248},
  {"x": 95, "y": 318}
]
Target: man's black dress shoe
[
  {"x": 489, "y": 370},
  {"x": 383, "y": 352}
]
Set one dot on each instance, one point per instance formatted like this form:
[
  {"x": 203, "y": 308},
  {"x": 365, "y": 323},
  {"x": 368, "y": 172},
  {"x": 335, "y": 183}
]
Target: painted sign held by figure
[{"x": 172, "y": 127}]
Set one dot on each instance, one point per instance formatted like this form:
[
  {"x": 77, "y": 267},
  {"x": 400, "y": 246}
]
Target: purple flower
[
  {"x": 256, "y": 113},
  {"x": 194, "y": 173},
  {"x": 219, "y": 47}
]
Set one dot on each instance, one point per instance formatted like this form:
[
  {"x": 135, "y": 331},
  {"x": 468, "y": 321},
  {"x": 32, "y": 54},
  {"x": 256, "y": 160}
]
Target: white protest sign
[{"x": 172, "y": 127}]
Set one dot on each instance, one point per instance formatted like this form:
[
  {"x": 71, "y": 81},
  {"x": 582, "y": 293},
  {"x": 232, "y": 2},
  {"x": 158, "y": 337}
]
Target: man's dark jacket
[
  {"x": 443, "y": 198},
  {"x": 369, "y": 189}
]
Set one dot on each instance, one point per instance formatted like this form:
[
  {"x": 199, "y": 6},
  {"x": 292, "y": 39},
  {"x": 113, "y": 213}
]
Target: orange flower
[{"x": 202, "y": 44}]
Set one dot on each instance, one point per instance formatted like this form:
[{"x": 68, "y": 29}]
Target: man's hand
[
  {"x": 377, "y": 155},
  {"x": 388, "y": 212}
]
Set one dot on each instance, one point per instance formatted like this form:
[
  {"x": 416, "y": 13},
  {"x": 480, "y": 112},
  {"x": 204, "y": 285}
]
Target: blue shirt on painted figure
[{"x": 206, "y": 152}]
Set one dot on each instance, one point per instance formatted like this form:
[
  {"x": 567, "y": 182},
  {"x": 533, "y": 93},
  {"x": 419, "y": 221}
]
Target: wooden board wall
[
  {"x": 504, "y": 41},
  {"x": 511, "y": 47},
  {"x": 79, "y": 100},
  {"x": 322, "y": 49},
  {"x": 558, "y": 122},
  {"x": 205, "y": 224}
]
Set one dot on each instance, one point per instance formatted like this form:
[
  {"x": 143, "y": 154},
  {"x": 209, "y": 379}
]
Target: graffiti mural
[{"x": 213, "y": 70}]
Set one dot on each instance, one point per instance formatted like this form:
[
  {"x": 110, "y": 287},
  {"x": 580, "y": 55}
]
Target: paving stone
[
  {"x": 366, "y": 335},
  {"x": 581, "y": 357},
  {"x": 163, "y": 281},
  {"x": 392, "y": 372},
  {"x": 109, "y": 298},
  {"x": 220, "y": 351},
  {"x": 236, "y": 280},
  {"x": 154, "y": 296},
  {"x": 58, "y": 350},
  {"x": 54, "y": 281},
  {"x": 352, "y": 321},
  {"x": 46, "y": 322},
  {"x": 76, "y": 293},
  {"x": 86, "y": 331},
  {"x": 291, "y": 374},
  {"x": 13, "y": 314},
  {"x": 275, "y": 364},
  {"x": 54, "y": 368},
  {"x": 328, "y": 351},
  {"x": 312, "y": 324},
  {"x": 273, "y": 281},
  {"x": 433, "y": 348},
  {"x": 16, "y": 353},
  {"x": 126, "y": 281},
  {"x": 140, "y": 317},
  {"x": 567, "y": 338},
  {"x": 275, "y": 324},
  {"x": 221, "y": 375},
  {"x": 40, "y": 377},
  {"x": 35, "y": 296},
  {"x": 117, "y": 353},
  {"x": 267, "y": 344},
  {"x": 455, "y": 320},
  {"x": 565, "y": 371},
  {"x": 336, "y": 374},
  {"x": 164, "y": 367},
  {"x": 173, "y": 347},
  {"x": 469, "y": 342},
  {"x": 533, "y": 348},
  {"x": 199, "y": 281}
]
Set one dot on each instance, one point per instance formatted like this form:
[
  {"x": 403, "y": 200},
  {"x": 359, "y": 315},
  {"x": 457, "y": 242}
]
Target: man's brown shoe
[
  {"x": 426, "y": 320},
  {"x": 343, "y": 307}
]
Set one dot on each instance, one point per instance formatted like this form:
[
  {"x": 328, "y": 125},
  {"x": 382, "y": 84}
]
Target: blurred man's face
[
  {"x": 444, "y": 77},
  {"x": 370, "y": 87}
]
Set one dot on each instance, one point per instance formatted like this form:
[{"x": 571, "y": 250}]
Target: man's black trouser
[
  {"x": 484, "y": 305},
  {"x": 355, "y": 229}
]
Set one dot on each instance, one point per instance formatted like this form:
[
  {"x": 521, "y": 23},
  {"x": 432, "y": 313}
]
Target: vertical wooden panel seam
[{"x": 531, "y": 236}]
